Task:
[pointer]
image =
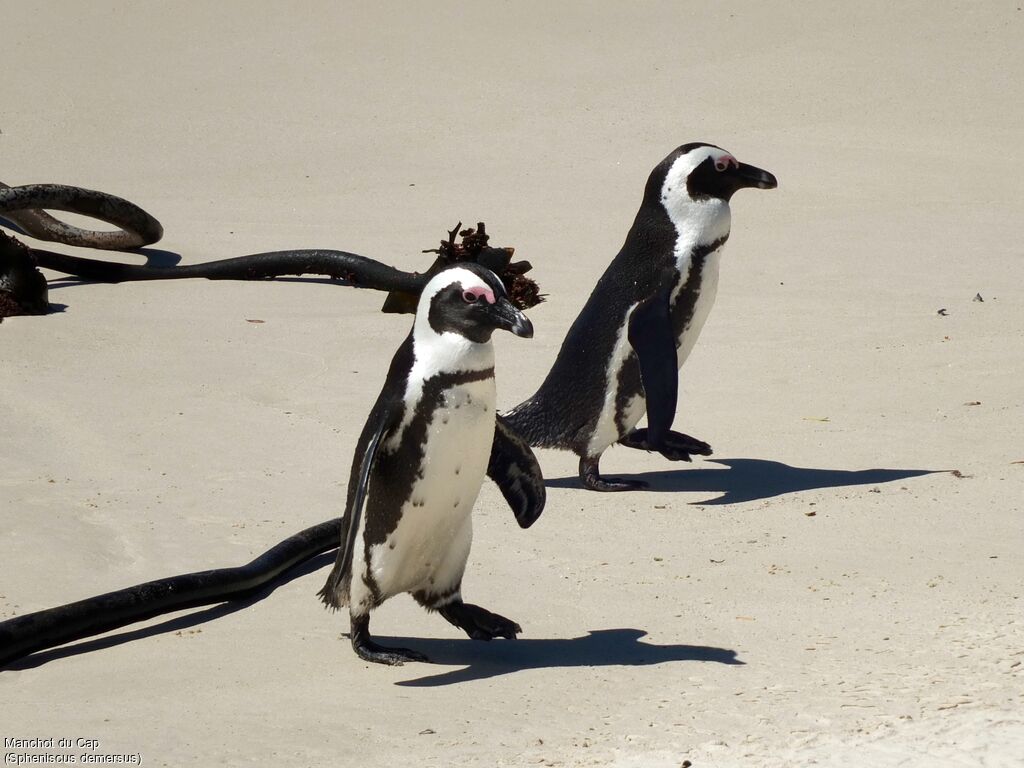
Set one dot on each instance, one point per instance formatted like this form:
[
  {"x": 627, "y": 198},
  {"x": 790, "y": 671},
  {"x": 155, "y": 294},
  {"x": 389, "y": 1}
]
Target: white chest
[
  {"x": 430, "y": 545},
  {"x": 697, "y": 223},
  {"x": 690, "y": 330},
  {"x": 458, "y": 445}
]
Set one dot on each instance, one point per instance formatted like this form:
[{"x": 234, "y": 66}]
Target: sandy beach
[{"x": 835, "y": 586}]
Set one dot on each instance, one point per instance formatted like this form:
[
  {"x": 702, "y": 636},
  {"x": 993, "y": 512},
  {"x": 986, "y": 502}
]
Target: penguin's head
[
  {"x": 699, "y": 171},
  {"x": 470, "y": 301}
]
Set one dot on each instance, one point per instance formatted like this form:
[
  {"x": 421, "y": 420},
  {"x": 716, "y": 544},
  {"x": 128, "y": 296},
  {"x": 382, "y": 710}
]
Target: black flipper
[
  {"x": 379, "y": 423},
  {"x": 515, "y": 471},
  {"x": 348, "y": 533},
  {"x": 653, "y": 339}
]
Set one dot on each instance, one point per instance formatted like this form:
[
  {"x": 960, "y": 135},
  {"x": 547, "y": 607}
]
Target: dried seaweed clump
[
  {"x": 522, "y": 291},
  {"x": 22, "y": 285}
]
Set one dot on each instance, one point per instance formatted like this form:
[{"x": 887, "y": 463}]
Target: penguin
[
  {"x": 420, "y": 461},
  {"x": 621, "y": 356}
]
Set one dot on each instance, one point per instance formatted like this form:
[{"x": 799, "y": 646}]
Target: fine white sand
[{"x": 810, "y": 596}]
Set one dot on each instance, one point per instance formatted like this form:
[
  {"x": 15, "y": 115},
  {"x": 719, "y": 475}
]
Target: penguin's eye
[
  {"x": 723, "y": 163},
  {"x": 469, "y": 297}
]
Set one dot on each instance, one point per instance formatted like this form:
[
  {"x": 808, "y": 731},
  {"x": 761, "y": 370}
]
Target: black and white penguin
[
  {"x": 622, "y": 355},
  {"x": 420, "y": 461}
]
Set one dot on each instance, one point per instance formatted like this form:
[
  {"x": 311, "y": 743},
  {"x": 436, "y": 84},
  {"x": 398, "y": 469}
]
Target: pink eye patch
[
  {"x": 724, "y": 162},
  {"x": 476, "y": 293}
]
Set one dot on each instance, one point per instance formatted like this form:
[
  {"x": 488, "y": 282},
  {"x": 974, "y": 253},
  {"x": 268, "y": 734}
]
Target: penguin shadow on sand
[
  {"x": 598, "y": 648},
  {"x": 740, "y": 480}
]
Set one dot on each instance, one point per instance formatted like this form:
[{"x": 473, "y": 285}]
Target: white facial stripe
[
  {"x": 468, "y": 280},
  {"x": 697, "y": 221},
  {"x": 469, "y": 283},
  {"x": 675, "y": 179},
  {"x": 447, "y": 347}
]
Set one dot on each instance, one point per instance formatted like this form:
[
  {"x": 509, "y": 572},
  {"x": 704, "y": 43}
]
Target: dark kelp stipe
[{"x": 23, "y": 288}]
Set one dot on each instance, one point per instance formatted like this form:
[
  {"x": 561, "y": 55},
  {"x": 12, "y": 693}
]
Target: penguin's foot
[
  {"x": 367, "y": 650},
  {"x": 479, "y": 623},
  {"x": 675, "y": 447},
  {"x": 678, "y": 444},
  {"x": 590, "y": 475}
]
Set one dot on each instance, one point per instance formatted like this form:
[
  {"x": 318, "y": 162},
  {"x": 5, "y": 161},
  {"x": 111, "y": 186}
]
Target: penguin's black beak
[
  {"x": 750, "y": 176},
  {"x": 508, "y": 318}
]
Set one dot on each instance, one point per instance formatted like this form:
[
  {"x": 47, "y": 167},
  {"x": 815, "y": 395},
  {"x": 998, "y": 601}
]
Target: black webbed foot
[
  {"x": 675, "y": 446},
  {"x": 479, "y": 623},
  {"x": 368, "y": 650},
  {"x": 591, "y": 478}
]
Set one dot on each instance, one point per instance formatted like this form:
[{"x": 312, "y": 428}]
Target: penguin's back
[{"x": 566, "y": 409}]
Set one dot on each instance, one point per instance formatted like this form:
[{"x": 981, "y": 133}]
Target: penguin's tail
[
  {"x": 334, "y": 594},
  {"x": 537, "y": 424},
  {"x": 523, "y": 419}
]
